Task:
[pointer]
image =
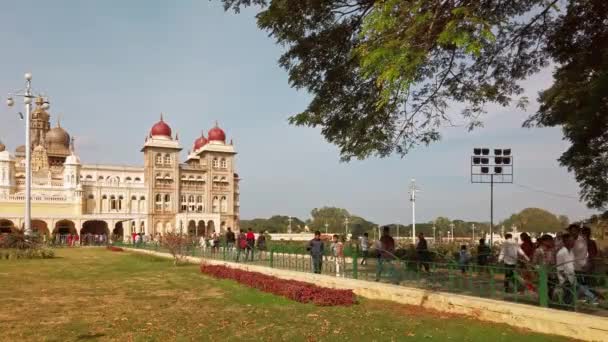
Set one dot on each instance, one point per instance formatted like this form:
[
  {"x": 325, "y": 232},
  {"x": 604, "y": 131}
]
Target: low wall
[{"x": 538, "y": 319}]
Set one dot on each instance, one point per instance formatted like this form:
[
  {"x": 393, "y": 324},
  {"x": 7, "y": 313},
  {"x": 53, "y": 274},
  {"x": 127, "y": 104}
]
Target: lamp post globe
[
  {"x": 28, "y": 76},
  {"x": 46, "y": 105},
  {"x": 27, "y": 100}
]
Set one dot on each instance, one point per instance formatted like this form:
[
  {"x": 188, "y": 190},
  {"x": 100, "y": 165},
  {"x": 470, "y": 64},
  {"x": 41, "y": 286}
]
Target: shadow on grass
[{"x": 89, "y": 337}]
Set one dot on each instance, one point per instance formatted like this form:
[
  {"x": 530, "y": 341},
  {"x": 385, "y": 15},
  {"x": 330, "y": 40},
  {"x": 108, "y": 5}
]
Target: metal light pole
[
  {"x": 346, "y": 226},
  {"x": 289, "y": 227},
  {"x": 452, "y": 229},
  {"x": 28, "y": 96},
  {"x": 473, "y": 232},
  {"x": 413, "y": 191},
  {"x": 434, "y": 233},
  {"x": 326, "y": 225}
]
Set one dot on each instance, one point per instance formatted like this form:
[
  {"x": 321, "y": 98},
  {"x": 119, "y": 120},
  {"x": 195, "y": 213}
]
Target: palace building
[{"x": 197, "y": 196}]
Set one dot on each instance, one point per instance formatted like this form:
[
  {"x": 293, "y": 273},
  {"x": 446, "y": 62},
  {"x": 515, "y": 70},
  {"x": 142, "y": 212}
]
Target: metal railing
[{"x": 522, "y": 283}]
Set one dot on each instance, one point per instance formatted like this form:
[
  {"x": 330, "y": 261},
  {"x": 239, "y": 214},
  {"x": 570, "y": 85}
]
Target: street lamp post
[
  {"x": 473, "y": 227},
  {"x": 346, "y": 226},
  {"x": 413, "y": 191},
  {"x": 28, "y": 96},
  {"x": 326, "y": 225},
  {"x": 452, "y": 229},
  {"x": 434, "y": 233}
]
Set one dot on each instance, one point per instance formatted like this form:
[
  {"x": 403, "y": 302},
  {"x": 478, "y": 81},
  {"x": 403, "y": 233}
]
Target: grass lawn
[{"x": 95, "y": 294}]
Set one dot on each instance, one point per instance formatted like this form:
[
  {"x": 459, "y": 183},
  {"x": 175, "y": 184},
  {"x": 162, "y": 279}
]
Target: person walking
[
  {"x": 483, "y": 253},
  {"x": 565, "y": 261},
  {"x": 261, "y": 243},
  {"x": 337, "y": 249},
  {"x": 509, "y": 253},
  {"x": 250, "y": 243},
  {"x": 386, "y": 252},
  {"x": 463, "y": 259},
  {"x": 230, "y": 239},
  {"x": 422, "y": 250},
  {"x": 364, "y": 245},
  {"x": 241, "y": 241},
  {"x": 316, "y": 249}
]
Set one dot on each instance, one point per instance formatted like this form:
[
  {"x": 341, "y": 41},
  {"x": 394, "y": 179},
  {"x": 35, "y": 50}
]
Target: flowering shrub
[
  {"x": 114, "y": 248},
  {"x": 295, "y": 290}
]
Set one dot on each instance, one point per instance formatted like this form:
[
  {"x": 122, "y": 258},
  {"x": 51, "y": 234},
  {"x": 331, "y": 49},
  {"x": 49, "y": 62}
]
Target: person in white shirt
[
  {"x": 364, "y": 243},
  {"x": 565, "y": 262},
  {"x": 579, "y": 249},
  {"x": 509, "y": 253}
]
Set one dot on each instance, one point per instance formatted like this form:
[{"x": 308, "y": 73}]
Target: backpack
[{"x": 243, "y": 243}]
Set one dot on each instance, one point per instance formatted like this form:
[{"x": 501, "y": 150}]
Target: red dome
[
  {"x": 161, "y": 129},
  {"x": 216, "y": 134},
  {"x": 200, "y": 142}
]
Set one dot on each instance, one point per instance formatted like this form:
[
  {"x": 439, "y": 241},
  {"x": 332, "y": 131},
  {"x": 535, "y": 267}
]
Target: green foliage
[
  {"x": 275, "y": 224},
  {"x": 577, "y": 99},
  {"x": 535, "y": 220},
  {"x": 383, "y": 73}
]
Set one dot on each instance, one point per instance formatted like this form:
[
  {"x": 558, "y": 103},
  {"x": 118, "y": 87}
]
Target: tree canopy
[
  {"x": 384, "y": 73},
  {"x": 535, "y": 220}
]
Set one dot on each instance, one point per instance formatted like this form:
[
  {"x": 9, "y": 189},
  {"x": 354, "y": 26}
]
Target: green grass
[{"x": 94, "y": 294}]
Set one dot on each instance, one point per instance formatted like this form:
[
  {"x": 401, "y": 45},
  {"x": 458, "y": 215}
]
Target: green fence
[{"x": 521, "y": 284}]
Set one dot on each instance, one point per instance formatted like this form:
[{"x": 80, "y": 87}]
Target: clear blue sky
[{"x": 110, "y": 68}]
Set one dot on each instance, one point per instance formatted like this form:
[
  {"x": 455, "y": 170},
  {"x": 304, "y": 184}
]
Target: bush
[
  {"x": 13, "y": 254},
  {"x": 295, "y": 290}
]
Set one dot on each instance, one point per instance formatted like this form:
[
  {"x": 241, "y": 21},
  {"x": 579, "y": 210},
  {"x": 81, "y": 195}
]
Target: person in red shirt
[
  {"x": 133, "y": 236},
  {"x": 70, "y": 240},
  {"x": 527, "y": 246},
  {"x": 250, "y": 244}
]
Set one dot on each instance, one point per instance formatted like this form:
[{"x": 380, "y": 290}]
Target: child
[
  {"x": 463, "y": 258},
  {"x": 337, "y": 248}
]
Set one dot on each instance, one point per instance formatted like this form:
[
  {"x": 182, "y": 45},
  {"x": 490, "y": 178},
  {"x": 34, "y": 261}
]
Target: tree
[
  {"x": 564, "y": 221},
  {"x": 534, "y": 220},
  {"x": 578, "y": 101},
  {"x": 274, "y": 224},
  {"x": 383, "y": 73},
  {"x": 334, "y": 217},
  {"x": 176, "y": 245}
]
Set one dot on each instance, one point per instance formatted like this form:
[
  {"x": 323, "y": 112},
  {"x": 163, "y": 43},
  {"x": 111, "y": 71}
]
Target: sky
[{"x": 111, "y": 67}]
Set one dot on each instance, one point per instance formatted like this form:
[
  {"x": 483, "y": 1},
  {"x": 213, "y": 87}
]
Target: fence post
[
  {"x": 224, "y": 250},
  {"x": 543, "y": 286},
  {"x": 355, "y": 263},
  {"x": 271, "y": 257}
]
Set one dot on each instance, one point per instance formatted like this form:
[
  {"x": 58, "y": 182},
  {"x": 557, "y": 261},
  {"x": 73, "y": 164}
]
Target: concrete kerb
[{"x": 537, "y": 319}]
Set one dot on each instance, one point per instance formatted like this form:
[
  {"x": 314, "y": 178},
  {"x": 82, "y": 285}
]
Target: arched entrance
[
  {"x": 210, "y": 227},
  {"x": 201, "y": 228},
  {"x": 62, "y": 229},
  {"x": 118, "y": 231},
  {"x": 7, "y": 226},
  {"x": 191, "y": 228},
  {"x": 40, "y": 227},
  {"x": 94, "y": 232}
]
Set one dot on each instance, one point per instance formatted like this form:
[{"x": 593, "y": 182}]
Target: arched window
[
  {"x": 112, "y": 202},
  {"x": 158, "y": 159},
  {"x": 91, "y": 196},
  {"x": 215, "y": 162},
  {"x": 159, "y": 198},
  {"x": 199, "y": 208},
  {"x": 167, "y": 176},
  {"x": 223, "y": 179},
  {"x": 183, "y": 198},
  {"x": 100, "y": 178},
  {"x": 89, "y": 177},
  {"x": 167, "y": 203},
  {"x": 104, "y": 197},
  {"x": 128, "y": 179},
  {"x": 142, "y": 198},
  {"x": 167, "y": 159},
  {"x": 224, "y": 204},
  {"x": 191, "y": 199},
  {"x": 199, "y": 199},
  {"x": 223, "y": 163},
  {"x": 215, "y": 178},
  {"x": 215, "y": 204},
  {"x": 120, "y": 199},
  {"x": 158, "y": 175},
  {"x": 137, "y": 179},
  {"x": 167, "y": 198}
]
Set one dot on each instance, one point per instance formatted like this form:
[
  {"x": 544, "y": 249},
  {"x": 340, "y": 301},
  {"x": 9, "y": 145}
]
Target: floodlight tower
[{"x": 492, "y": 168}]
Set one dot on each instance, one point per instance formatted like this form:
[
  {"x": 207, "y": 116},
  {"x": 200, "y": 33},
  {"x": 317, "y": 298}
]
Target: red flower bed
[
  {"x": 295, "y": 290},
  {"x": 115, "y": 249}
]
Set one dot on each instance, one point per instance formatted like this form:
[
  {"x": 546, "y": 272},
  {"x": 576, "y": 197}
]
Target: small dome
[
  {"x": 20, "y": 149},
  {"x": 200, "y": 142},
  {"x": 161, "y": 129},
  {"x": 5, "y": 156},
  {"x": 57, "y": 137},
  {"x": 216, "y": 134},
  {"x": 72, "y": 160}
]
